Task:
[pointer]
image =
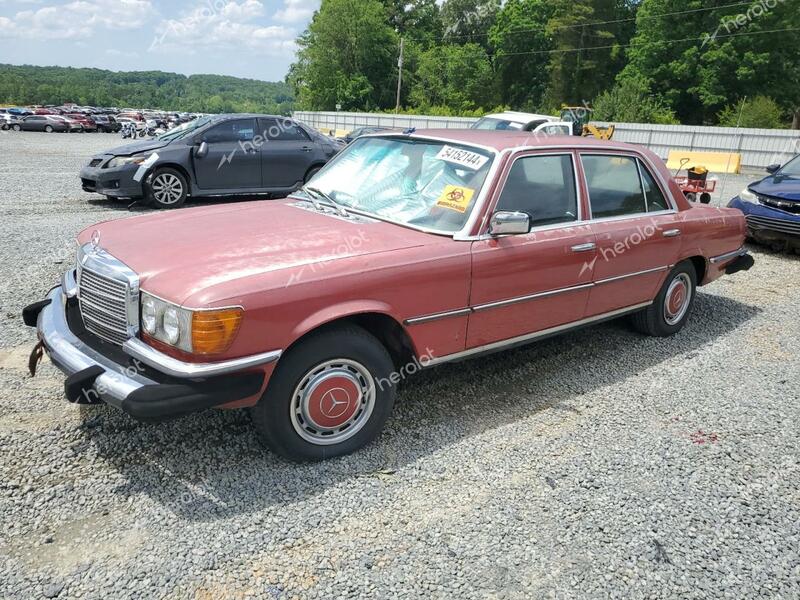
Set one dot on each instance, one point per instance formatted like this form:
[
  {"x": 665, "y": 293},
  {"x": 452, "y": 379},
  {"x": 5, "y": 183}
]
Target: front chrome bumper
[
  {"x": 182, "y": 387},
  {"x": 71, "y": 355}
]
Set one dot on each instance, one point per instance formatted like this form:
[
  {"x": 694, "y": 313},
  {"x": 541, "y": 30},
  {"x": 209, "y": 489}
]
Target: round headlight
[
  {"x": 171, "y": 325},
  {"x": 149, "y": 316}
]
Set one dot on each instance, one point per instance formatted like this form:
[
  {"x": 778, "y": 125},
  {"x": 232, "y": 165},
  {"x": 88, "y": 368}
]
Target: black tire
[
  {"x": 284, "y": 416},
  {"x": 17, "y": 128},
  {"x": 166, "y": 188},
  {"x": 48, "y": 129},
  {"x": 660, "y": 320},
  {"x": 311, "y": 172}
]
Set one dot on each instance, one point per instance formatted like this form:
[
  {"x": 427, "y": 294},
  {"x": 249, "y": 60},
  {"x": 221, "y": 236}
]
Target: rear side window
[
  {"x": 283, "y": 130},
  {"x": 240, "y": 130},
  {"x": 543, "y": 187},
  {"x": 652, "y": 193},
  {"x": 615, "y": 188}
]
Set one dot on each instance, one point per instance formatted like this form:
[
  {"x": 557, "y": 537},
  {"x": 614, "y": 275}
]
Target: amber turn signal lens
[{"x": 213, "y": 331}]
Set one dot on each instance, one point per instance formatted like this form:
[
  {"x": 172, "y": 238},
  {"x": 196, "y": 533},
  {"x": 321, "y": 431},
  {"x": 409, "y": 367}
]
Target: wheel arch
[
  {"x": 315, "y": 165},
  {"x": 171, "y": 165},
  {"x": 386, "y": 329},
  {"x": 700, "y": 266}
]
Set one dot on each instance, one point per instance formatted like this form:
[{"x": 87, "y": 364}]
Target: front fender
[{"x": 335, "y": 312}]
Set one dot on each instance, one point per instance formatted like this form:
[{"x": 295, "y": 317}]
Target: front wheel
[
  {"x": 167, "y": 189},
  {"x": 329, "y": 395},
  {"x": 48, "y": 129},
  {"x": 17, "y": 128},
  {"x": 671, "y": 308}
]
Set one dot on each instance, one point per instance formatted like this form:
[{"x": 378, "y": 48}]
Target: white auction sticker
[{"x": 463, "y": 158}]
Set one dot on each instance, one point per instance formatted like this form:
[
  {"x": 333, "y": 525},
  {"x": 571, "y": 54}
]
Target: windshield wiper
[
  {"x": 339, "y": 207},
  {"x": 310, "y": 198}
]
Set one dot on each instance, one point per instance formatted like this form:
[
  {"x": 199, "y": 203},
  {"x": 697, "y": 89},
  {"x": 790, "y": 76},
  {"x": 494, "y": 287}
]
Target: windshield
[
  {"x": 791, "y": 169},
  {"x": 182, "y": 130},
  {"x": 496, "y": 124},
  {"x": 422, "y": 183}
]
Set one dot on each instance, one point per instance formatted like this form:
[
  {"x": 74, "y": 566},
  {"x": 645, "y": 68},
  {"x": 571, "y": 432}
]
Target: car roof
[
  {"x": 521, "y": 117},
  {"x": 503, "y": 140}
]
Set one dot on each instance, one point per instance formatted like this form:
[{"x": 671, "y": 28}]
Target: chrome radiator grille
[{"x": 104, "y": 306}]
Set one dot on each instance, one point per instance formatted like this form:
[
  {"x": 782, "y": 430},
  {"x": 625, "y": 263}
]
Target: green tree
[
  {"x": 587, "y": 36},
  {"x": 347, "y": 56},
  {"x": 142, "y": 89},
  {"x": 459, "y": 77},
  {"x": 761, "y": 111},
  {"x": 417, "y": 20},
  {"x": 522, "y": 52},
  {"x": 736, "y": 54},
  {"x": 469, "y": 21},
  {"x": 629, "y": 103}
]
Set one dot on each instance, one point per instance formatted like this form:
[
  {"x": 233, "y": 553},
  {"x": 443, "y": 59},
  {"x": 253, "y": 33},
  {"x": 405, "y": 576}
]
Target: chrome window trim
[
  {"x": 634, "y": 216},
  {"x": 534, "y": 154},
  {"x": 532, "y": 336},
  {"x": 551, "y": 151},
  {"x": 654, "y": 172}
]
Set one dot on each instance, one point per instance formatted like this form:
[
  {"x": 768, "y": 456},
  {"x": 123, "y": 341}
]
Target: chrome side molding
[{"x": 522, "y": 339}]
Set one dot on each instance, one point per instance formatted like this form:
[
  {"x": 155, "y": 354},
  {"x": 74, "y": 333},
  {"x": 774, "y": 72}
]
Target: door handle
[
  {"x": 671, "y": 232},
  {"x": 251, "y": 150},
  {"x": 306, "y": 149},
  {"x": 584, "y": 247}
]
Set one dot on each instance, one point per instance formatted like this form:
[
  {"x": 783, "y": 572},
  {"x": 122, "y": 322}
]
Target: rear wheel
[
  {"x": 48, "y": 128},
  {"x": 329, "y": 395},
  {"x": 167, "y": 189},
  {"x": 671, "y": 308}
]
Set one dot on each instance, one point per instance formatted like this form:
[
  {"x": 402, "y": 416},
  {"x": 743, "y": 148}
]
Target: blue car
[{"x": 772, "y": 207}]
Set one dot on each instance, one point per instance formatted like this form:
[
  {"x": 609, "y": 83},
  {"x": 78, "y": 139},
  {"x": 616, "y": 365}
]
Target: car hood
[
  {"x": 137, "y": 147},
  {"x": 205, "y": 253},
  {"x": 778, "y": 186}
]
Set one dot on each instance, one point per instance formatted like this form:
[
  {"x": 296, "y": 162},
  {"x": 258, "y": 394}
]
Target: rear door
[
  {"x": 637, "y": 231},
  {"x": 34, "y": 123},
  {"x": 233, "y": 160},
  {"x": 287, "y": 154},
  {"x": 527, "y": 283}
]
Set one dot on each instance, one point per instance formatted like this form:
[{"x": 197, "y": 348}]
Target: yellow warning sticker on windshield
[{"x": 455, "y": 197}]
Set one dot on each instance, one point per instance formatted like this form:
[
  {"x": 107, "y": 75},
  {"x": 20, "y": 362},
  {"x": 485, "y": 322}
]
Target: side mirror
[
  {"x": 201, "y": 150},
  {"x": 772, "y": 169},
  {"x": 509, "y": 223}
]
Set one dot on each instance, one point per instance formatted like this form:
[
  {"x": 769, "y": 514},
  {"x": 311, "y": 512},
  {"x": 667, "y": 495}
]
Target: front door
[
  {"x": 637, "y": 231},
  {"x": 233, "y": 160},
  {"x": 528, "y": 283},
  {"x": 287, "y": 154}
]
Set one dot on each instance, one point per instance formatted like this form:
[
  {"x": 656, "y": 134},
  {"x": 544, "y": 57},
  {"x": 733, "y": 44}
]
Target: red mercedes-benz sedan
[{"x": 407, "y": 250}]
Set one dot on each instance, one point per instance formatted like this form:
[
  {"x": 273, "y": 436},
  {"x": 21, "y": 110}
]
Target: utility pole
[{"x": 399, "y": 75}]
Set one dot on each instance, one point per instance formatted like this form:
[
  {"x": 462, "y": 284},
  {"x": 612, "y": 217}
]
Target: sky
[{"x": 243, "y": 38}]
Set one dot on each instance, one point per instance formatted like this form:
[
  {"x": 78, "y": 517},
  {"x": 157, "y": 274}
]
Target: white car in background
[{"x": 520, "y": 121}]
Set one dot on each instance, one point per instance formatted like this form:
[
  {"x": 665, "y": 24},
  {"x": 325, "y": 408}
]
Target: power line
[
  {"x": 595, "y": 23},
  {"x": 699, "y": 39}
]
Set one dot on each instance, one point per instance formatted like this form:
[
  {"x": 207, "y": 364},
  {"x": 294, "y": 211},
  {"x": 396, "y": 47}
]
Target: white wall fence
[{"x": 758, "y": 147}]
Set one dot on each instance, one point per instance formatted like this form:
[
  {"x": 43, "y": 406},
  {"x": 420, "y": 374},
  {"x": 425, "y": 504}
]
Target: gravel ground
[{"x": 598, "y": 464}]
